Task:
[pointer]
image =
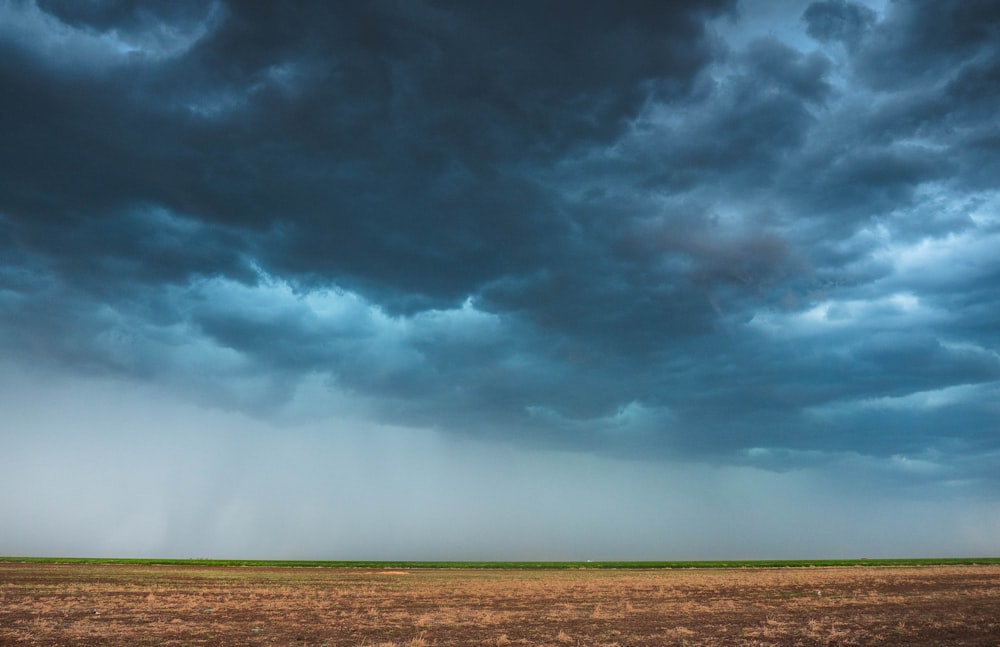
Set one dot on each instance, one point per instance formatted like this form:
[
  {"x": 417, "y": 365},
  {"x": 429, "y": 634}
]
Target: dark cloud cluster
[
  {"x": 593, "y": 226},
  {"x": 839, "y": 20}
]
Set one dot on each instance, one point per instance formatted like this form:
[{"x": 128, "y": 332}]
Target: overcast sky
[{"x": 500, "y": 280}]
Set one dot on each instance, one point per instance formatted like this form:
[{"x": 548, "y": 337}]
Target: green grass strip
[{"x": 770, "y": 563}]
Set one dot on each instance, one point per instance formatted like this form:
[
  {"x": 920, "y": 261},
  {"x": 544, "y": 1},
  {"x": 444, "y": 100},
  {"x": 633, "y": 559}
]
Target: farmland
[{"x": 401, "y": 604}]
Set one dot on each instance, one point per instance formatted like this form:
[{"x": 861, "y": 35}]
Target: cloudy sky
[{"x": 538, "y": 280}]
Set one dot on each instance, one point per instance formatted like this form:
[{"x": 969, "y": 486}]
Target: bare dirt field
[{"x": 88, "y": 604}]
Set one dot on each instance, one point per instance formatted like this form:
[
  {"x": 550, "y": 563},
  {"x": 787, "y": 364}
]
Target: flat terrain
[{"x": 142, "y": 604}]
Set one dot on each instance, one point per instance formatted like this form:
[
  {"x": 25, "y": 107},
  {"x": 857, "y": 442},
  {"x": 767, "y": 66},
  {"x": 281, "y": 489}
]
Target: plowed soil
[{"x": 86, "y": 604}]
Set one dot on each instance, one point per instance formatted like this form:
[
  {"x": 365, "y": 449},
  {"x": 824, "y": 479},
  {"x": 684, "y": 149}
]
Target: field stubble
[{"x": 90, "y": 605}]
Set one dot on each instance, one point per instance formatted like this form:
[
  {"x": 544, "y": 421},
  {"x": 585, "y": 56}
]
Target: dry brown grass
[{"x": 48, "y": 604}]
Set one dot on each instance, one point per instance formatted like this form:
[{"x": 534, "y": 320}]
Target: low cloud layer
[{"x": 661, "y": 233}]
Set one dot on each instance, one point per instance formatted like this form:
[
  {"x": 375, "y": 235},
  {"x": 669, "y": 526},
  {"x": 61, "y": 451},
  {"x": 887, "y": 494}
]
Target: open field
[{"x": 197, "y": 604}]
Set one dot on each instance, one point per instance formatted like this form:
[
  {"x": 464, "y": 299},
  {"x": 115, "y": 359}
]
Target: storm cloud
[{"x": 681, "y": 236}]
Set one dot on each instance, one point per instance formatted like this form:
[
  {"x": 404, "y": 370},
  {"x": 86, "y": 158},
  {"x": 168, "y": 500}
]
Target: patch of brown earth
[{"x": 91, "y": 605}]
